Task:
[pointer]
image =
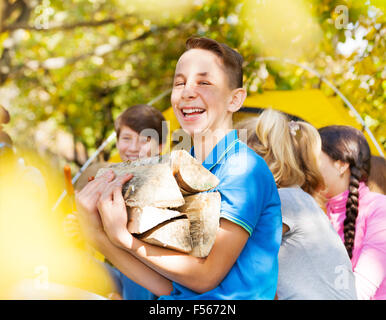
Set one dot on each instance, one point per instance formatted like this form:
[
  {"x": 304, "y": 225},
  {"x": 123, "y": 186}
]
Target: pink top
[{"x": 369, "y": 253}]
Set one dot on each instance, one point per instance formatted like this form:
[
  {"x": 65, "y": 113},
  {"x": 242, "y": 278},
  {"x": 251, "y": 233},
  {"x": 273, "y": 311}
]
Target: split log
[
  {"x": 159, "y": 183},
  {"x": 151, "y": 185},
  {"x": 174, "y": 234},
  {"x": 143, "y": 219},
  {"x": 191, "y": 176},
  {"x": 203, "y": 211}
]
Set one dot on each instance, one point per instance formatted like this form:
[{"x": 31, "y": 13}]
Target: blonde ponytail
[
  {"x": 290, "y": 149},
  {"x": 270, "y": 137}
]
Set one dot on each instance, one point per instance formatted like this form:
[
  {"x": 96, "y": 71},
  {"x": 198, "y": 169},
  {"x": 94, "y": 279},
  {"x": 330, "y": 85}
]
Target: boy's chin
[
  {"x": 195, "y": 132},
  {"x": 192, "y": 130}
]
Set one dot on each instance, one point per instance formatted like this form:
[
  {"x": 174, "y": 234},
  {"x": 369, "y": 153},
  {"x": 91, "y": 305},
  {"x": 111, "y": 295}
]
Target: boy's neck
[{"x": 204, "y": 143}]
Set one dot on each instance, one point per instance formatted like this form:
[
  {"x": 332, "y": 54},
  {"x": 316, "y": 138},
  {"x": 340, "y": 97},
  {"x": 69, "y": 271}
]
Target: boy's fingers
[
  {"x": 94, "y": 188},
  {"x": 100, "y": 181},
  {"x": 118, "y": 184},
  {"x": 123, "y": 179},
  {"x": 86, "y": 199},
  {"x": 106, "y": 197},
  {"x": 117, "y": 191},
  {"x": 117, "y": 194},
  {"x": 114, "y": 188},
  {"x": 105, "y": 178}
]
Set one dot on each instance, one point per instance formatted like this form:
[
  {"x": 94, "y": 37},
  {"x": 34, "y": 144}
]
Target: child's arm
[
  {"x": 197, "y": 274},
  {"x": 134, "y": 269},
  {"x": 92, "y": 229}
]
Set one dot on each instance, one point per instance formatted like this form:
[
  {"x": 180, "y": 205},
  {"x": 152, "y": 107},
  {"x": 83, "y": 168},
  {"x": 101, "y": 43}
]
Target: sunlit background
[
  {"x": 68, "y": 68},
  {"x": 40, "y": 259}
]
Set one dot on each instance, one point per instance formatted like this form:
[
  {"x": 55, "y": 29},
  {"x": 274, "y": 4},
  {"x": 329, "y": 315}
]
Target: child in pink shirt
[{"x": 357, "y": 214}]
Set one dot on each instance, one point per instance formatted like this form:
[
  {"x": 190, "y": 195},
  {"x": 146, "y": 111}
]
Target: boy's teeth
[{"x": 192, "y": 110}]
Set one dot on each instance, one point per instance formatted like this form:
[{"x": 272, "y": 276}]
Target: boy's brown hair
[
  {"x": 140, "y": 117},
  {"x": 231, "y": 59}
]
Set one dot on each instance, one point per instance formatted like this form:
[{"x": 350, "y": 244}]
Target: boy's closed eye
[{"x": 205, "y": 83}]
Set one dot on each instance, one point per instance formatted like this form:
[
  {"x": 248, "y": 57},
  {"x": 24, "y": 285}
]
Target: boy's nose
[
  {"x": 189, "y": 91},
  {"x": 133, "y": 145}
]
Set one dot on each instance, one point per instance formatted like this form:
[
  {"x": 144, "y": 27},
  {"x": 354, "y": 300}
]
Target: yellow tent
[{"x": 310, "y": 105}]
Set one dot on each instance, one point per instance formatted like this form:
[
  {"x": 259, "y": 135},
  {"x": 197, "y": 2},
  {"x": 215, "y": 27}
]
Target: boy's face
[
  {"x": 201, "y": 95},
  {"x": 132, "y": 146}
]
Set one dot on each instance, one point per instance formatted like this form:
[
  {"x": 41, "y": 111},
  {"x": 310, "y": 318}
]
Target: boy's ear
[{"x": 237, "y": 99}]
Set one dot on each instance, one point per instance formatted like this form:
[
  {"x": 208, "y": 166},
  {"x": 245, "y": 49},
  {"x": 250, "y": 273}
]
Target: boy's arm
[
  {"x": 133, "y": 268},
  {"x": 197, "y": 274},
  {"x": 92, "y": 229}
]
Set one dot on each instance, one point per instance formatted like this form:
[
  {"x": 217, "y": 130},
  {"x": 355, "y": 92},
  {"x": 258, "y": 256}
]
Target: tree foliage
[{"x": 78, "y": 64}]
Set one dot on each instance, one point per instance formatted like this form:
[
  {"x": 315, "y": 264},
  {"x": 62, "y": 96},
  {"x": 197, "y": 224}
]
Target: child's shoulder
[
  {"x": 375, "y": 204},
  {"x": 244, "y": 159}
]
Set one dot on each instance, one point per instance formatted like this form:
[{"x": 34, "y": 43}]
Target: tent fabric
[{"x": 310, "y": 105}]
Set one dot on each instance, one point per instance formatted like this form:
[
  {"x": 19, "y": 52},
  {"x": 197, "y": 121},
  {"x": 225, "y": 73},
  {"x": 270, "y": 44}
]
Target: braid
[
  {"x": 349, "y": 145},
  {"x": 351, "y": 210}
]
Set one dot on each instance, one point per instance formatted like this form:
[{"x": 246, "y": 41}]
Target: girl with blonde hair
[{"x": 313, "y": 263}]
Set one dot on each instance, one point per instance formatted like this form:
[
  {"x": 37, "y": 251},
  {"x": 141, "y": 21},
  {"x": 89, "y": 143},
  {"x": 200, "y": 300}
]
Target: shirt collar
[
  {"x": 220, "y": 150},
  {"x": 337, "y": 204}
]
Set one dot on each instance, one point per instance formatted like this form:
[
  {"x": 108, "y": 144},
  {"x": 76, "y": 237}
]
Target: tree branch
[
  {"x": 64, "y": 27},
  {"x": 68, "y": 61},
  {"x": 17, "y": 70},
  {"x": 7, "y": 9},
  {"x": 2, "y": 10}
]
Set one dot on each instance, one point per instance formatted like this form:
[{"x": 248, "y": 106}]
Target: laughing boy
[{"x": 243, "y": 262}]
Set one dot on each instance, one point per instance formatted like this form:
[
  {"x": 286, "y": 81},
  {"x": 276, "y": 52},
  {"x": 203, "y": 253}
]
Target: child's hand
[
  {"x": 86, "y": 203},
  {"x": 112, "y": 209}
]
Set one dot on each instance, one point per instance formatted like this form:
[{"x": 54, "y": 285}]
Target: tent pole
[{"x": 336, "y": 90}]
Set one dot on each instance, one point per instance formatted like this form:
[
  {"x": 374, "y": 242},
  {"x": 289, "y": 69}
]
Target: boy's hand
[
  {"x": 86, "y": 203},
  {"x": 112, "y": 209}
]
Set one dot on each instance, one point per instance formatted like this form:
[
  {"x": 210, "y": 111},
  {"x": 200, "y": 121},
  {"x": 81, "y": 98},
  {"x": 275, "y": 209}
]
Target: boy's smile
[
  {"x": 132, "y": 146},
  {"x": 201, "y": 93},
  {"x": 191, "y": 113}
]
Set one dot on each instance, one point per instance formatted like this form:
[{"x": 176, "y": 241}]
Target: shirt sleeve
[
  {"x": 245, "y": 187},
  {"x": 370, "y": 269}
]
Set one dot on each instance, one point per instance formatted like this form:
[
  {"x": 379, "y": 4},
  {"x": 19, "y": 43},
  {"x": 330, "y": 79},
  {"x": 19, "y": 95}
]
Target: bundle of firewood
[{"x": 167, "y": 202}]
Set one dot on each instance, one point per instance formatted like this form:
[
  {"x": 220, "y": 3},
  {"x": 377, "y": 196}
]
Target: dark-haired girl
[{"x": 357, "y": 214}]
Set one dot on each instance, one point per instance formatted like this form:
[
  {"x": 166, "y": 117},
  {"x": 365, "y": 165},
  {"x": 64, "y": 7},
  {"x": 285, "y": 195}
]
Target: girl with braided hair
[
  {"x": 313, "y": 264},
  {"x": 356, "y": 213}
]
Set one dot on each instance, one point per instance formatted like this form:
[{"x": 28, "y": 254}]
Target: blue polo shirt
[{"x": 249, "y": 198}]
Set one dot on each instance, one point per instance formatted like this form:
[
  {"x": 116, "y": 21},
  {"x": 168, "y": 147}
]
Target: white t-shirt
[{"x": 313, "y": 262}]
